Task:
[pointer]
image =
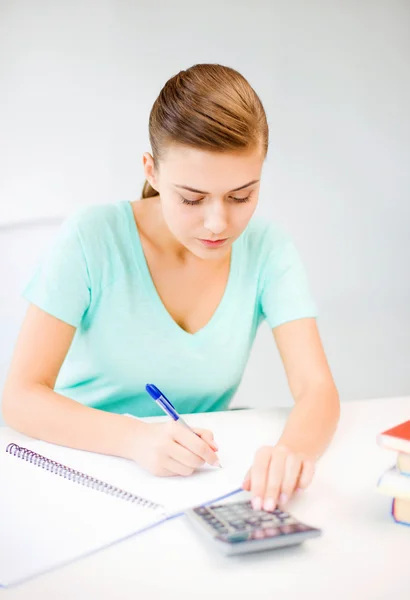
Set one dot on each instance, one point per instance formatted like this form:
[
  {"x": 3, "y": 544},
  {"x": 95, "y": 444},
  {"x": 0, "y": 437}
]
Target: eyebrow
[{"x": 185, "y": 187}]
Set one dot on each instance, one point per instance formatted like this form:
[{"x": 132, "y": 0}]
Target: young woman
[{"x": 170, "y": 289}]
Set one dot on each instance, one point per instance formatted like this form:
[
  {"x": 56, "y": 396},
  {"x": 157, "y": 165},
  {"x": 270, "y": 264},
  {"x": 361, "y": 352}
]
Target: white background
[{"x": 77, "y": 82}]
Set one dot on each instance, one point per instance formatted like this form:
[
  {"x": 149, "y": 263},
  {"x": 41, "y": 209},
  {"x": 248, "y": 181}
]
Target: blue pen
[{"x": 167, "y": 406}]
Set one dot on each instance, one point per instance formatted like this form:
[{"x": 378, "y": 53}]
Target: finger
[
  {"x": 307, "y": 473},
  {"x": 177, "y": 468},
  {"x": 165, "y": 473},
  {"x": 159, "y": 470},
  {"x": 187, "y": 438},
  {"x": 293, "y": 468},
  {"x": 208, "y": 437},
  {"x": 274, "y": 479},
  {"x": 246, "y": 485},
  {"x": 184, "y": 456},
  {"x": 259, "y": 474}
]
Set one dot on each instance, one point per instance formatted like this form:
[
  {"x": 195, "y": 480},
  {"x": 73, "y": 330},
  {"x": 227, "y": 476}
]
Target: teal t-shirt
[{"x": 95, "y": 277}]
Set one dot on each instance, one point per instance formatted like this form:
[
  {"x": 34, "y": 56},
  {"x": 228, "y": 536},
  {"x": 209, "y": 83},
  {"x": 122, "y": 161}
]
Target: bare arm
[
  {"x": 314, "y": 418},
  {"x": 31, "y": 406},
  {"x": 277, "y": 471}
]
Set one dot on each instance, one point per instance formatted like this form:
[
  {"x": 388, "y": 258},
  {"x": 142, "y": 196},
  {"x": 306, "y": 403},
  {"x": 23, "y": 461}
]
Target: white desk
[{"x": 362, "y": 555}]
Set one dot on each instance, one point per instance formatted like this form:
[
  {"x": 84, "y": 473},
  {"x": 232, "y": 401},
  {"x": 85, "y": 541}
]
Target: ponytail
[{"x": 148, "y": 191}]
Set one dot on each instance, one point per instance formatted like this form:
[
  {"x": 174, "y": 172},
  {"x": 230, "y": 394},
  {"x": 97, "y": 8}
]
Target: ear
[{"x": 149, "y": 169}]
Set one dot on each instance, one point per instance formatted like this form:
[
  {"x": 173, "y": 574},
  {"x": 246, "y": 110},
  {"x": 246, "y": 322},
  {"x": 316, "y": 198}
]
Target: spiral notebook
[{"x": 59, "y": 504}]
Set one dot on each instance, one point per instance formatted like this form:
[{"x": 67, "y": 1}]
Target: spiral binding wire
[{"x": 79, "y": 477}]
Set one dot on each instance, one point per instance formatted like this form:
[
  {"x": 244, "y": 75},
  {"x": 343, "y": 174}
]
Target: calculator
[{"x": 236, "y": 528}]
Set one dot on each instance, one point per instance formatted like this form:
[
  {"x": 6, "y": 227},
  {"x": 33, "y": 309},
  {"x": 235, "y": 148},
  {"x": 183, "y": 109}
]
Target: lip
[{"x": 213, "y": 243}]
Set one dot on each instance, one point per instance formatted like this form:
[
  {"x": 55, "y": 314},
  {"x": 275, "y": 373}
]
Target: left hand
[{"x": 275, "y": 475}]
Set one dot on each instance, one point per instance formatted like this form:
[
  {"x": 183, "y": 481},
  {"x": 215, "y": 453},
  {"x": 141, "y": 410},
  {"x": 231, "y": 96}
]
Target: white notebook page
[{"x": 46, "y": 521}]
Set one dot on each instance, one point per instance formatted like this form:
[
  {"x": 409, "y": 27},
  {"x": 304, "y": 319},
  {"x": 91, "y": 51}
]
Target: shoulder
[
  {"x": 102, "y": 235},
  {"x": 273, "y": 261},
  {"x": 99, "y": 229},
  {"x": 263, "y": 239},
  {"x": 92, "y": 221}
]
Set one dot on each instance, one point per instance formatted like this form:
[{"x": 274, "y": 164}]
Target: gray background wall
[{"x": 77, "y": 83}]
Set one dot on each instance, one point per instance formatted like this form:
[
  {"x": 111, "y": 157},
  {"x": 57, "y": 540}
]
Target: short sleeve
[
  {"x": 60, "y": 285},
  {"x": 285, "y": 292}
]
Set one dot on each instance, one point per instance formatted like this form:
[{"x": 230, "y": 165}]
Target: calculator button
[
  {"x": 258, "y": 534},
  {"x": 271, "y": 523},
  {"x": 286, "y": 529},
  {"x": 253, "y": 520},
  {"x": 238, "y": 524},
  {"x": 201, "y": 510},
  {"x": 267, "y": 517},
  {"x": 220, "y": 527},
  {"x": 289, "y": 521},
  {"x": 240, "y": 536},
  {"x": 272, "y": 532}
]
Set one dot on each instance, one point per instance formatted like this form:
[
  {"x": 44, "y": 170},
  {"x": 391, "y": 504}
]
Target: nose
[{"x": 215, "y": 217}]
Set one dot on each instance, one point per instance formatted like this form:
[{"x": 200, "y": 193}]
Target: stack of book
[{"x": 395, "y": 482}]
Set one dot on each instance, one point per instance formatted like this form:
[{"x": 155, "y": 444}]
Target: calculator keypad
[{"x": 239, "y": 521}]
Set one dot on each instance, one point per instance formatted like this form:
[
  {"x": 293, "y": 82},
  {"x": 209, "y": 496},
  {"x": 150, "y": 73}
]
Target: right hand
[{"x": 167, "y": 449}]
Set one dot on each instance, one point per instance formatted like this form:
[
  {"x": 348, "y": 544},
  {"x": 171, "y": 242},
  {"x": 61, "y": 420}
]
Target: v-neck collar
[{"x": 163, "y": 313}]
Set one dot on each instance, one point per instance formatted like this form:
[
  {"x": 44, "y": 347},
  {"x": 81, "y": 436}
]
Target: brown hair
[{"x": 210, "y": 107}]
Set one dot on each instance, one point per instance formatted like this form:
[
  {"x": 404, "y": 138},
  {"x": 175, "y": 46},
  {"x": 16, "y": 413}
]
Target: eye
[
  {"x": 241, "y": 199},
  {"x": 197, "y": 202},
  {"x": 190, "y": 202}
]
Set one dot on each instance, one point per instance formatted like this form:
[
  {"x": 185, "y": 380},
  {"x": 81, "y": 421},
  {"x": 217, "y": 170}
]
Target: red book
[{"x": 397, "y": 438}]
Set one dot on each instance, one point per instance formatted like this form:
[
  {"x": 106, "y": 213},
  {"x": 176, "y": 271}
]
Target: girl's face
[{"x": 206, "y": 196}]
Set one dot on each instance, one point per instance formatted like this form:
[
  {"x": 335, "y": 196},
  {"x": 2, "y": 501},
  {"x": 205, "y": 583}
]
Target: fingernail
[
  {"x": 299, "y": 490},
  {"x": 257, "y": 503},
  {"x": 269, "y": 505},
  {"x": 283, "y": 499}
]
